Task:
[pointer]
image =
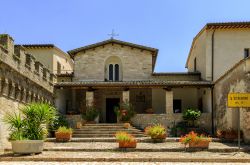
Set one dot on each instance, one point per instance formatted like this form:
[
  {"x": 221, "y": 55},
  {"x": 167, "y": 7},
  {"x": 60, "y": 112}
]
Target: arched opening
[{"x": 113, "y": 69}]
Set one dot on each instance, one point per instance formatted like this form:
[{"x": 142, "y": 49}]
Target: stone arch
[{"x": 114, "y": 63}]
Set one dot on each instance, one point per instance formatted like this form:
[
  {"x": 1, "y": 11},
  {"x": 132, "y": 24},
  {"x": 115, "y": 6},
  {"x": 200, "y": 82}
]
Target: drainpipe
[
  {"x": 212, "y": 67},
  {"x": 212, "y": 108},
  {"x": 212, "y": 79}
]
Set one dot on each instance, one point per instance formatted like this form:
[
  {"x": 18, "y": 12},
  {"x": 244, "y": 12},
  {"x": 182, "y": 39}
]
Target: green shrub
[
  {"x": 124, "y": 137},
  {"x": 59, "y": 121},
  {"x": 91, "y": 113},
  {"x": 191, "y": 115},
  {"x": 125, "y": 111},
  {"x": 155, "y": 131},
  {"x": 31, "y": 122}
]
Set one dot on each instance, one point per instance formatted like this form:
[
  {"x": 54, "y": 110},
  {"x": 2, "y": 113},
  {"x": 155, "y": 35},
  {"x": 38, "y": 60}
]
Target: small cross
[{"x": 113, "y": 34}]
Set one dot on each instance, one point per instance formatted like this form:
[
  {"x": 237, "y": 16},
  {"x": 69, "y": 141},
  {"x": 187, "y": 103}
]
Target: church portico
[{"x": 154, "y": 101}]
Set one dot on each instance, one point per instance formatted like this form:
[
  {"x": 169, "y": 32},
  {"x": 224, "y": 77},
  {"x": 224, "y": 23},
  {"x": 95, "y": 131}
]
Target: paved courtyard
[{"x": 93, "y": 152}]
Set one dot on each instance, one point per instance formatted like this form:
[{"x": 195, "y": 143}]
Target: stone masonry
[
  {"x": 235, "y": 80},
  {"x": 90, "y": 64},
  {"x": 22, "y": 80}
]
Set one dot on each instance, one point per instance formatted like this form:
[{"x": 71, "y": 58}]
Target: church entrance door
[{"x": 111, "y": 103}]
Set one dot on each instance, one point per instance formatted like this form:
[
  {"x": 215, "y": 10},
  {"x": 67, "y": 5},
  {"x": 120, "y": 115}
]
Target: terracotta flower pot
[
  {"x": 79, "y": 125},
  {"x": 131, "y": 144},
  {"x": 200, "y": 144},
  {"x": 230, "y": 135},
  {"x": 159, "y": 139},
  {"x": 63, "y": 137}
]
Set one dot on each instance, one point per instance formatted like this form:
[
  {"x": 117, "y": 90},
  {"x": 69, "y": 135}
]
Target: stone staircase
[{"x": 104, "y": 131}]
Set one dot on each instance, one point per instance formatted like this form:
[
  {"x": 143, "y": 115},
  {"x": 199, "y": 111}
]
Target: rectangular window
[
  {"x": 177, "y": 106},
  {"x": 195, "y": 65},
  {"x": 246, "y": 53}
]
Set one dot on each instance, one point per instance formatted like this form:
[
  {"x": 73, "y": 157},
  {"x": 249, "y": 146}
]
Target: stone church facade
[{"x": 113, "y": 71}]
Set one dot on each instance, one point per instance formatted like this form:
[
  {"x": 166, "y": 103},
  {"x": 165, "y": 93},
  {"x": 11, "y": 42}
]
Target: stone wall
[
  {"x": 22, "y": 81},
  {"x": 90, "y": 65},
  {"x": 236, "y": 80},
  {"x": 143, "y": 120}
]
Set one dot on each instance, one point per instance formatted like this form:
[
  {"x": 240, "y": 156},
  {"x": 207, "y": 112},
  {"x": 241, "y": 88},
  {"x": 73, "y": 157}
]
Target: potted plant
[
  {"x": 124, "y": 112},
  {"x": 125, "y": 140},
  {"x": 91, "y": 115},
  {"x": 193, "y": 140},
  {"x": 156, "y": 132},
  {"x": 63, "y": 134},
  {"x": 127, "y": 125},
  {"x": 28, "y": 128},
  {"x": 58, "y": 121},
  {"x": 230, "y": 134},
  {"x": 149, "y": 111},
  {"x": 191, "y": 115}
]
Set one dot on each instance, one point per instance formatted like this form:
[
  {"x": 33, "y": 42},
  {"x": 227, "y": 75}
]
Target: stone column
[
  {"x": 34, "y": 98},
  {"x": 24, "y": 95},
  {"x": 38, "y": 98},
  {"x": 125, "y": 96},
  {"x": 6, "y": 87},
  {"x": 18, "y": 93},
  {"x": 29, "y": 99},
  {"x": 169, "y": 101},
  {"x": 12, "y": 90},
  {"x": 89, "y": 98}
]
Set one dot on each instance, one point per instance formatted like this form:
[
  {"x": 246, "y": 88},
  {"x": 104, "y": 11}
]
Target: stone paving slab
[
  {"x": 61, "y": 156},
  {"x": 115, "y": 163}
]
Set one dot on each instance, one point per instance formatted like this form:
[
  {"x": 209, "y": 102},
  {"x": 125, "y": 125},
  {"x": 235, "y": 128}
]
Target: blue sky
[{"x": 168, "y": 25}]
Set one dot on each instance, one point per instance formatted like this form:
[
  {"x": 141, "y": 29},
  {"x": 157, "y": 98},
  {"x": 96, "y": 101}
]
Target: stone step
[
  {"x": 106, "y": 127},
  {"x": 104, "y": 124},
  {"x": 103, "y": 132},
  {"x": 61, "y": 156},
  {"x": 103, "y": 135},
  {"x": 97, "y": 139},
  {"x": 139, "y": 139}
]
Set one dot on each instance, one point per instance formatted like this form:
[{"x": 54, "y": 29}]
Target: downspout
[
  {"x": 212, "y": 79},
  {"x": 212, "y": 108}
]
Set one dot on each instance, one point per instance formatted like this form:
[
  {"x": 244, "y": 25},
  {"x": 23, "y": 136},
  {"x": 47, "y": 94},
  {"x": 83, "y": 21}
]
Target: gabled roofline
[
  {"x": 84, "y": 48},
  {"x": 217, "y": 25},
  {"x": 154, "y": 51}
]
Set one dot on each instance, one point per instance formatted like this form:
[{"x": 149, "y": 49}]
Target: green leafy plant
[
  {"x": 124, "y": 137},
  {"x": 64, "y": 130},
  {"x": 91, "y": 113},
  {"x": 191, "y": 115},
  {"x": 58, "y": 121},
  {"x": 31, "y": 122},
  {"x": 194, "y": 137},
  {"x": 125, "y": 111},
  {"x": 156, "y": 131}
]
